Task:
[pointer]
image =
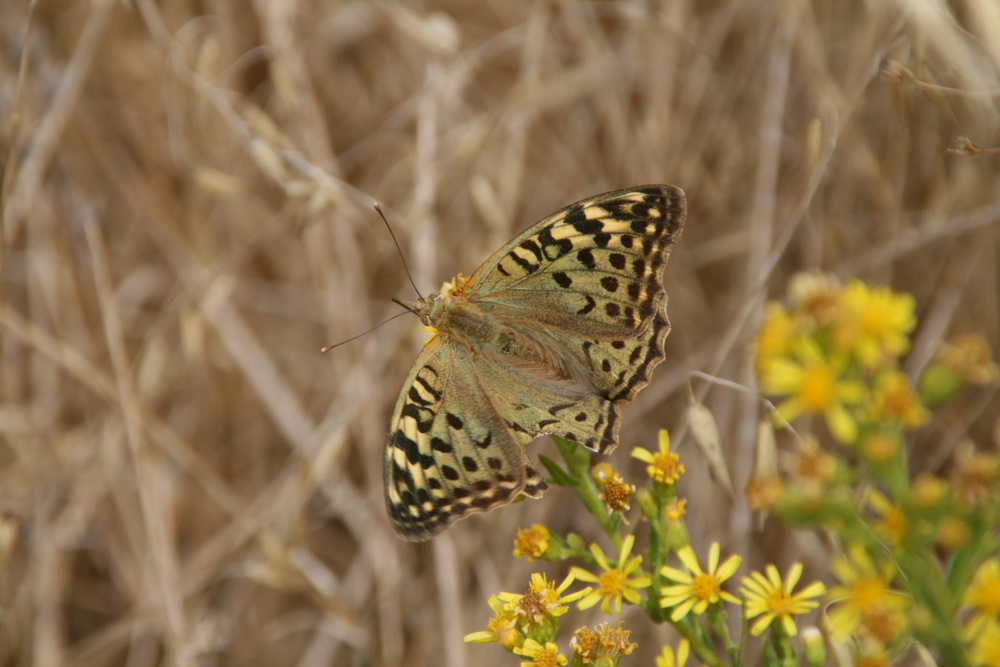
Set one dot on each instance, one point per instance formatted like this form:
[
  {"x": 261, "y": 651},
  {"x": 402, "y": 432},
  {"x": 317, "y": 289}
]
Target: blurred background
[{"x": 187, "y": 219}]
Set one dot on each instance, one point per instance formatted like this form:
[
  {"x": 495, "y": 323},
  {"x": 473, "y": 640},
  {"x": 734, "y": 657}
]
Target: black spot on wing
[
  {"x": 588, "y": 227},
  {"x": 439, "y": 445},
  {"x": 528, "y": 267},
  {"x": 532, "y": 246}
]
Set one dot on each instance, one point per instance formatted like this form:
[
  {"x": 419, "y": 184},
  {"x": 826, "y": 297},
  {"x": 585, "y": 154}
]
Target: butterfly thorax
[{"x": 468, "y": 323}]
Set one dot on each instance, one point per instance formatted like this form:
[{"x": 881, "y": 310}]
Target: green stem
[
  {"x": 578, "y": 464},
  {"x": 718, "y": 621},
  {"x": 698, "y": 644}
]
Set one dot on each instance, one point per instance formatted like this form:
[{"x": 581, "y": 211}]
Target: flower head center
[
  {"x": 705, "y": 587},
  {"x": 612, "y": 583},
  {"x": 883, "y": 625},
  {"x": 548, "y": 658},
  {"x": 532, "y": 606},
  {"x": 665, "y": 468},
  {"x": 779, "y": 602},
  {"x": 869, "y": 594},
  {"x": 817, "y": 389}
]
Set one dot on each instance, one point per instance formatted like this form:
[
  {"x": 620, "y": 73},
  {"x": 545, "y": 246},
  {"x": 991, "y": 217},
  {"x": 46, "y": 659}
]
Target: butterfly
[{"x": 551, "y": 334}]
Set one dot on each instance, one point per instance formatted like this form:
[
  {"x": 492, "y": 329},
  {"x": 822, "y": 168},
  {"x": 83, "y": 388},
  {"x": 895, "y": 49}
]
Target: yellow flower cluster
[
  {"x": 864, "y": 604},
  {"x": 528, "y": 621},
  {"x": 834, "y": 353}
]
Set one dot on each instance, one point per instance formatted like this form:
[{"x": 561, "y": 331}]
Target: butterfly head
[{"x": 431, "y": 308}]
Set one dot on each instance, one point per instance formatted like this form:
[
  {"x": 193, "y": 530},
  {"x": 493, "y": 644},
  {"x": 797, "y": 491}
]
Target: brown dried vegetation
[{"x": 186, "y": 220}]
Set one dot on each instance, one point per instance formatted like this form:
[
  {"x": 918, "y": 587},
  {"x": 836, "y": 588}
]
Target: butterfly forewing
[
  {"x": 551, "y": 333},
  {"x": 592, "y": 276}
]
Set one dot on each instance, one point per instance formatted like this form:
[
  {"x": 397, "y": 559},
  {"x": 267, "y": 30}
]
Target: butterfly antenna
[
  {"x": 378, "y": 208},
  {"x": 327, "y": 348},
  {"x": 409, "y": 308}
]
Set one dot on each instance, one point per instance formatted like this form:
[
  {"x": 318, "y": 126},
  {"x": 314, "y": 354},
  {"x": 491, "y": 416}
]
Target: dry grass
[{"x": 186, "y": 220}]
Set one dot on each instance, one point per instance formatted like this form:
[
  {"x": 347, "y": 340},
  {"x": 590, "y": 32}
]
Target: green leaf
[{"x": 557, "y": 474}]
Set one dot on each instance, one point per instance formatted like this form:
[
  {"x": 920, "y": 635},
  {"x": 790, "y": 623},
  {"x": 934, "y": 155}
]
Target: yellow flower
[
  {"x": 542, "y": 599},
  {"x": 676, "y": 509},
  {"x": 872, "y": 656},
  {"x": 969, "y": 355},
  {"x": 864, "y": 599},
  {"x": 875, "y": 323},
  {"x": 894, "y": 401},
  {"x": 664, "y": 466},
  {"x": 586, "y": 644},
  {"x": 815, "y": 385},
  {"x": 615, "y": 494},
  {"x": 927, "y": 491},
  {"x": 667, "y": 659},
  {"x": 776, "y": 334},
  {"x": 613, "y": 584},
  {"x": 531, "y": 542},
  {"x": 762, "y": 492},
  {"x": 986, "y": 647},
  {"x": 880, "y": 446},
  {"x": 602, "y": 472},
  {"x": 605, "y": 641},
  {"x": 816, "y": 297},
  {"x": 501, "y": 629},
  {"x": 697, "y": 588},
  {"x": 769, "y": 597},
  {"x": 540, "y": 656},
  {"x": 952, "y": 532},
  {"x": 983, "y": 597},
  {"x": 975, "y": 475},
  {"x": 811, "y": 468},
  {"x": 890, "y": 521}
]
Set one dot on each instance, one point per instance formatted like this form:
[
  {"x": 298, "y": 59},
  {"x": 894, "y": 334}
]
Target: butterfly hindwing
[
  {"x": 449, "y": 453},
  {"x": 535, "y": 407}
]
